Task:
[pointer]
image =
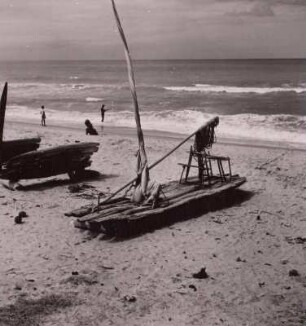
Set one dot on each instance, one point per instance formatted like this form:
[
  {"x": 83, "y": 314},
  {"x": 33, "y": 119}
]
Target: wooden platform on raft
[
  {"x": 121, "y": 218},
  {"x": 11, "y": 148},
  {"x": 70, "y": 159}
]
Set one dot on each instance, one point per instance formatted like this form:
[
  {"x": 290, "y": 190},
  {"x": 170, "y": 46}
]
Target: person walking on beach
[
  {"x": 103, "y": 110},
  {"x": 43, "y": 116}
]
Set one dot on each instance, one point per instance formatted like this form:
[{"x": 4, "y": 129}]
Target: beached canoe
[
  {"x": 11, "y": 148},
  {"x": 121, "y": 218},
  {"x": 70, "y": 159}
]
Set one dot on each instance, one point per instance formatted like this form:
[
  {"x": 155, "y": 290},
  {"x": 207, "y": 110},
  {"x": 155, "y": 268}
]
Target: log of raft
[
  {"x": 182, "y": 201},
  {"x": 88, "y": 209},
  {"x": 70, "y": 159},
  {"x": 11, "y": 148}
]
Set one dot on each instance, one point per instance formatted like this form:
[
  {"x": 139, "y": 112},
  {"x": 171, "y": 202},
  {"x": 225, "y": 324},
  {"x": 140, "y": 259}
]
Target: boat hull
[
  {"x": 11, "y": 148},
  {"x": 49, "y": 162}
]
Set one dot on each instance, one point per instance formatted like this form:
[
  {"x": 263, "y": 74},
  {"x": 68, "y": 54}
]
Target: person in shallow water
[
  {"x": 43, "y": 116},
  {"x": 103, "y": 110},
  {"x": 90, "y": 130}
]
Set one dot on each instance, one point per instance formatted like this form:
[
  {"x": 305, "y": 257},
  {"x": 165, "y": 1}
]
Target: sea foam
[
  {"x": 93, "y": 99},
  {"x": 206, "y": 88},
  {"x": 273, "y": 128}
]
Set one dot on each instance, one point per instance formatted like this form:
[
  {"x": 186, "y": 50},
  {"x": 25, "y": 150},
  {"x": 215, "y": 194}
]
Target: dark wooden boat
[
  {"x": 70, "y": 159},
  {"x": 121, "y": 218},
  {"x": 11, "y": 148},
  {"x": 20, "y": 160}
]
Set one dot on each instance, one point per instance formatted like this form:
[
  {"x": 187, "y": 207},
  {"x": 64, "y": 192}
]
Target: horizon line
[{"x": 199, "y": 59}]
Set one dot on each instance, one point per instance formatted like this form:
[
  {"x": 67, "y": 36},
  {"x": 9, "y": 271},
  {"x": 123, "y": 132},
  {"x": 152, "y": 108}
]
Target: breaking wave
[
  {"x": 93, "y": 99},
  {"x": 274, "y": 128},
  {"x": 206, "y": 88}
]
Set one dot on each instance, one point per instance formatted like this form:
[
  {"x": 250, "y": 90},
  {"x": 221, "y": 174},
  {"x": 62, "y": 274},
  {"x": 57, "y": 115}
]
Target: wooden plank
[
  {"x": 106, "y": 212},
  {"x": 82, "y": 211}
]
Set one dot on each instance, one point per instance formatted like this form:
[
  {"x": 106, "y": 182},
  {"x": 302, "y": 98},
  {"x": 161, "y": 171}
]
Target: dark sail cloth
[{"x": 205, "y": 137}]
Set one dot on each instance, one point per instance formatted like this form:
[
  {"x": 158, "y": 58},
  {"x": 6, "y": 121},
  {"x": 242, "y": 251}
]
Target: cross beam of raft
[{"x": 213, "y": 121}]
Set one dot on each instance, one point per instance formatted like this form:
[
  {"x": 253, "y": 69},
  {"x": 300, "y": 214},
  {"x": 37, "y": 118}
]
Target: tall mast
[{"x": 143, "y": 156}]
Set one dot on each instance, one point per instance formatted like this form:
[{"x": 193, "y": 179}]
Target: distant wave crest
[
  {"x": 206, "y": 88},
  {"x": 93, "y": 99}
]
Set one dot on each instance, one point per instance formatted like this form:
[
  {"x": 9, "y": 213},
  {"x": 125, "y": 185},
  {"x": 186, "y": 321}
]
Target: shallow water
[{"x": 255, "y": 99}]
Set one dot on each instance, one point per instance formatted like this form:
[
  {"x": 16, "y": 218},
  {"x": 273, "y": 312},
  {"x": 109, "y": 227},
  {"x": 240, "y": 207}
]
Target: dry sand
[{"x": 248, "y": 249}]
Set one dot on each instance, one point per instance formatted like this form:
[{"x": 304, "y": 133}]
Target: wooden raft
[
  {"x": 119, "y": 217},
  {"x": 69, "y": 159}
]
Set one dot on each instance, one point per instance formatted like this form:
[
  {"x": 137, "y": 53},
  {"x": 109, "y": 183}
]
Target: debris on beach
[
  {"x": 193, "y": 287},
  {"x": 77, "y": 279},
  {"x": 19, "y": 217},
  {"x": 79, "y": 188},
  {"x": 201, "y": 274},
  {"x": 22, "y": 214},
  {"x": 129, "y": 298},
  {"x": 297, "y": 240},
  {"x": 294, "y": 272}
]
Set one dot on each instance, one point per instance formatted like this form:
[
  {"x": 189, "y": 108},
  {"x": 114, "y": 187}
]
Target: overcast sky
[{"x": 155, "y": 29}]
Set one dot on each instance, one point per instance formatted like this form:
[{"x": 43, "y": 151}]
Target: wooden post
[{"x": 2, "y": 116}]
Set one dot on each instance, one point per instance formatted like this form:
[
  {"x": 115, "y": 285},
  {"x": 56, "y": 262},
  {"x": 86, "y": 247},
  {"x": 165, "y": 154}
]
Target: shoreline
[{"x": 128, "y": 131}]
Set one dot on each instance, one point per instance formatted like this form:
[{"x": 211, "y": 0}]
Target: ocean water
[{"x": 262, "y": 100}]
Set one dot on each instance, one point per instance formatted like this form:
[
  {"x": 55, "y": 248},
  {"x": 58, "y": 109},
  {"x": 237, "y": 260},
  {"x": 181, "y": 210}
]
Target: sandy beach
[{"x": 253, "y": 252}]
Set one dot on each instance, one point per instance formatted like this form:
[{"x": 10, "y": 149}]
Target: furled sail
[{"x": 142, "y": 162}]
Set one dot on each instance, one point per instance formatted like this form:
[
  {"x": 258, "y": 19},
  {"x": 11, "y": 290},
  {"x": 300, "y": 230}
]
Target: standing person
[
  {"x": 103, "y": 110},
  {"x": 43, "y": 116}
]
